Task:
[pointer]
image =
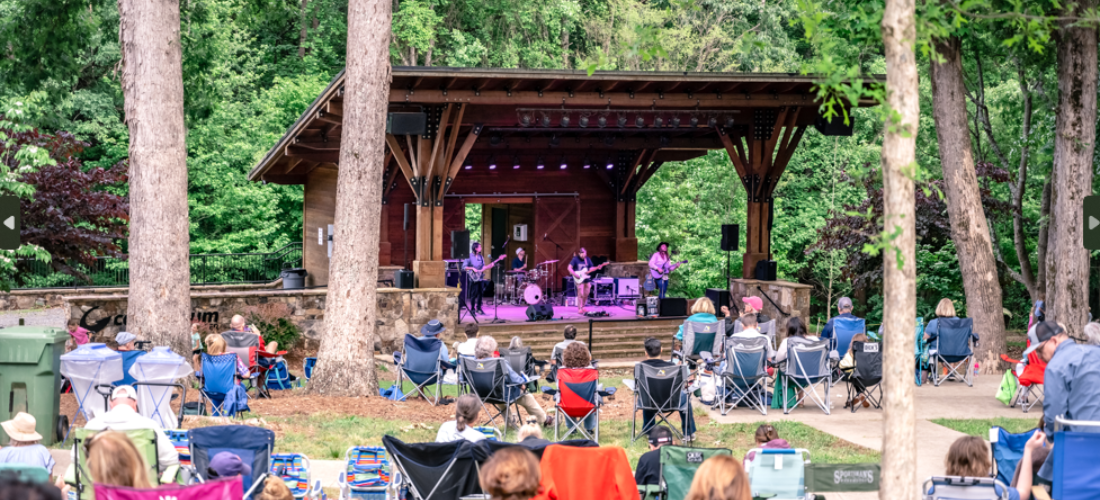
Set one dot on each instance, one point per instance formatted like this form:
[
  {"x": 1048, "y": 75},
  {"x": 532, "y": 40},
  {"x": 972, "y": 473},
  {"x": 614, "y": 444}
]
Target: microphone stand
[
  {"x": 550, "y": 285},
  {"x": 497, "y": 292}
]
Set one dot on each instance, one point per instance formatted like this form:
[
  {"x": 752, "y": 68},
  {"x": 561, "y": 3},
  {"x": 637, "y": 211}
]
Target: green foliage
[{"x": 273, "y": 322}]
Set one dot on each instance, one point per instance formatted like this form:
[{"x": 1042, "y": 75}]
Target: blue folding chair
[
  {"x": 219, "y": 385},
  {"x": 778, "y": 474},
  {"x": 1075, "y": 455},
  {"x": 920, "y": 350},
  {"x": 419, "y": 363},
  {"x": 1008, "y": 449},
  {"x": 128, "y": 359},
  {"x": 745, "y": 375},
  {"x": 252, "y": 444},
  {"x": 843, "y": 331},
  {"x": 308, "y": 367},
  {"x": 807, "y": 366},
  {"x": 964, "y": 488},
  {"x": 952, "y": 345}
]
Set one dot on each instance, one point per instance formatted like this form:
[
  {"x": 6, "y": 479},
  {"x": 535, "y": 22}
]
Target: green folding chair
[
  {"x": 678, "y": 466},
  {"x": 26, "y": 473},
  {"x": 79, "y": 477}
]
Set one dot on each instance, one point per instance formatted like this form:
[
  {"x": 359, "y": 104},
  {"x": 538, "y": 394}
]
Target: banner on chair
[{"x": 843, "y": 477}]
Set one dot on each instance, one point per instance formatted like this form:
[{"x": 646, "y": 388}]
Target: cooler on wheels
[
  {"x": 30, "y": 378},
  {"x": 155, "y": 376},
  {"x": 91, "y": 369}
]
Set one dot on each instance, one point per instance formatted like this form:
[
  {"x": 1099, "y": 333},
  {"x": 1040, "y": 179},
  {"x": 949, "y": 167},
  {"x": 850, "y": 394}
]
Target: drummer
[{"x": 520, "y": 262}]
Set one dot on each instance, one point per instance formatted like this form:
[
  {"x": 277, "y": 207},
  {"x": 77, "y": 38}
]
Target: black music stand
[{"x": 464, "y": 297}]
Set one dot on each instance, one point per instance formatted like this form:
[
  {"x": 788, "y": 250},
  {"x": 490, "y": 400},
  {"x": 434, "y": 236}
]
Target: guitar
[
  {"x": 582, "y": 275},
  {"x": 479, "y": 274},
  {"x": 666, "y": 269}
]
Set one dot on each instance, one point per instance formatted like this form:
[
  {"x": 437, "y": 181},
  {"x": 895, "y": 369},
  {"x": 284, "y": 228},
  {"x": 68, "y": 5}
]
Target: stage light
[
  {"x": 563, "y": 163},
  {"x": 515, "y": 162},
  {"x": 610, "y": 164},
  {"x": 525, "y": 120},
  {"x": 546, "y": 121},
  {"x": 565, "y": 120},
  {"x": 468, "y": 166},
  {"x": 601, "y": 121},
  {"x": 587, "y": 163},
  {"x": 583, "y": 122},
  {"x": 622, "y": 120},
  {"x": 675, "y": 121},
  {"x": 658, "y": 121},
  {"x": 639, "y": 121},
  {"x": 540, "y": 164},
  {"x": 694, "y": 121},
  {"x": 555, "y": 141},
  {"x": 492, "y": 162},
  {"x": 729, "y": 122},
  {"x": 712, "y": 122}
]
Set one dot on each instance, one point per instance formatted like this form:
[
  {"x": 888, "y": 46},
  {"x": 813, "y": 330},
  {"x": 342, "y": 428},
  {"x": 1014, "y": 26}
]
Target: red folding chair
[
  {"x": 1030, "y": 382},
  {"x": 578, "y": 399}
]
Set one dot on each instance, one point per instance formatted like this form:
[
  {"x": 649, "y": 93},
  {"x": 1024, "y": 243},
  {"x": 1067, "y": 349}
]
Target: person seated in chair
[
  {"x": 848, "y": 366},
  {"x": 844, "y": 307},
  {"x": 702, "y": 311},
  {"x": 570, "y": 334},
  {"x": 969, "y": 457},
  {"x": 649, "y": 464},
  {"x": 24, "y": 443},
  {"x": 766, "y": 437},
  {"x": 467, "y": 348},
  {"x": 467, "y": 412},
  {"x": 749, "y": 306},
  {"x": 229, "y": 464},
  {"x": 125, "y": 341},
  {"x": 576, "y": 356},
  {"x": 433, "y": 329},
  {"x": 486, "y": 346},
  {"x": 530, "y": 435},
  {"x": 796, "y": 333},
  {"x": 215, "y": 346},
  {"x": 124, "y": 416},
  {"x": 653, "y": 359}
]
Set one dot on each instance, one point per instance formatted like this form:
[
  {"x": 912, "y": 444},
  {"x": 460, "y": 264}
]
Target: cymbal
[
  {"x": 555, "y": 261},
  {"x": 519, "y": 271}
]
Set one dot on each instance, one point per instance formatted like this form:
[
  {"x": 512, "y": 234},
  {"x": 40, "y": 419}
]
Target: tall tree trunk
[
  {"x": 899, "y": 443},
  {"x": 1074, "y": 142},
  {"x": 1044, "y": 239},
  {"x": 152, "y": 86},
  {"x": 964, "y": 206},
  {"x": 1027, "y": 272},
  {"x": 305, "y": 29},
  {"x": 351, "y": 302}
]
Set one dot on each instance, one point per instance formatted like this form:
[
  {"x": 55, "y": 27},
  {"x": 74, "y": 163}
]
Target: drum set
[{"x": 528, "y": 287}]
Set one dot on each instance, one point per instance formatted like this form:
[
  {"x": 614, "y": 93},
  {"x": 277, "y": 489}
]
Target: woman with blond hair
[
  {"x": 510, "y": 474},
  {"x": 114, "y": 460},
  {"x": 720, "y": 478},
  {"x": 215, "y": 346},
  {"x": 702, "y": 311}
]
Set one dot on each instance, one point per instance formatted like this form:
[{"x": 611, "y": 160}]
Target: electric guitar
[
  {"x": 582, "y": 275},
  {"x": 479, "y": 274},
  {"x": 666, "y": 269}
]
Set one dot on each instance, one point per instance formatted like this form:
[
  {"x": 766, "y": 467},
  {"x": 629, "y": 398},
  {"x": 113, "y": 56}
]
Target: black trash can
[{"x": 293, "y": 279}]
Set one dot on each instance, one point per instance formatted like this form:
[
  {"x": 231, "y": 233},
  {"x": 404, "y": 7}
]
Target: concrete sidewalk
[{"x": 952, "y": 400}]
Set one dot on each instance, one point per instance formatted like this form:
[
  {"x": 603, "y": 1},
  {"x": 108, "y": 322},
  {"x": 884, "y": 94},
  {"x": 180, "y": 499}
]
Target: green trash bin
[{"x": 30, "y": 378}]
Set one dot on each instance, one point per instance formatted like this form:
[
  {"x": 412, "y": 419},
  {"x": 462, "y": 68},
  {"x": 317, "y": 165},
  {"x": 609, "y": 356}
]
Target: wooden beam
[
  {"x": 402, "y": 162},
  {"x": 438, "y": 141},
  {"x": 649, "y": 173},
  {"x": 733, "y": 152},
  {"x": 290, "y": 164},
  {"x": 460, "y": 156},
  {"x": 413, "y": 159},
  {"x": 773, "y": 139},
  {"x": 454, "y": 133},
  {"x": 785, "y": 155},
  {"x": 641, "y": 160},
  {"x": 330, "y": 118},
  {"x": 617, "y": 99}
]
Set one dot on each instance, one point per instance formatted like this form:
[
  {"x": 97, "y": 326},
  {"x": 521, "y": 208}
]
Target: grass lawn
[
  {"x": 327, "y": 436},
  {"x": 980, "y": 427}
]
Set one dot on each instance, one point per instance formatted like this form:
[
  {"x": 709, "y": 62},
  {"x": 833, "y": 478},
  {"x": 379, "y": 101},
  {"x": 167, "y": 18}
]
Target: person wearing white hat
[
  {"x": 23, "y": 446},
  {"x": 126, "y": 341},
  {"x": 125, "y": 417}
]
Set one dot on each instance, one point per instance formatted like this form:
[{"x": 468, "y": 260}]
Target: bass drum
[{"x": 532, "y": 295}]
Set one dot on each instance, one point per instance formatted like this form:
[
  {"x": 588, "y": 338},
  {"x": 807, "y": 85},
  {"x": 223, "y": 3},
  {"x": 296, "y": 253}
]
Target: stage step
[{"x": 610, "y": 339}]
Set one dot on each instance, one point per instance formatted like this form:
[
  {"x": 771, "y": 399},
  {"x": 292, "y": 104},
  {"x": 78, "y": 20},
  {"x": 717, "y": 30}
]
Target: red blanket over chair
[{"x": 570, "y": 473}]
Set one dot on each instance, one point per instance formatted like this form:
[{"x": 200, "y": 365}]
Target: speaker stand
[
  {"x": 497, "y": 294},
  {"x": 464, "y": 282}
]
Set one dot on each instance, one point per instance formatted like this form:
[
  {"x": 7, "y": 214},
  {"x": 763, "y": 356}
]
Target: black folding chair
[
  {"x": 659, "y": 390},
  {"x": 808, "y": 366},
  {"x": 435, "y": 471},
  {"x": 488, "y": 380},
  {"x": 866, "y": 378},
  {"x": 523, "y": 361}
]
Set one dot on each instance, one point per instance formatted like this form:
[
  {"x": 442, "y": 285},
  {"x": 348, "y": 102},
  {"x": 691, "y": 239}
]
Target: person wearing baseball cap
[
  {"x": 749, "y": 305},
  {"x": 844, "y": 307},
  {"x": 126, "y": 341},
  {"x": 23, "y": 443},
  {"x": 124, "y": 416},
  {"x": 649, "y": 464},
  {"x": 228, "y": 464},
  {"x": 1071, "y": 382}
]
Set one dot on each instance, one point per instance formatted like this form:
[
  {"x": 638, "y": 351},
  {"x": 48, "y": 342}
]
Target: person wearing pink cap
[{"x": 749, "y": 305}]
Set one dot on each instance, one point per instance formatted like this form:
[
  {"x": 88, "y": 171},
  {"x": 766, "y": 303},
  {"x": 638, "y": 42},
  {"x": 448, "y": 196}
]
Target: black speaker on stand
[
  {"x": 460, "y": 244},
  {"x": 719, "y": 297},
  {"x": 731, "y": 236}
]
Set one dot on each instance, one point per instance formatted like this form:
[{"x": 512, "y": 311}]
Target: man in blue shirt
[
  {"x": 844, "y": 307},
  {"x": 1071, "y": 382}
]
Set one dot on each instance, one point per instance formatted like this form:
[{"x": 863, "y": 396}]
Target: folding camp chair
[
  {"x": 294, "y": 470},
  {"x": 367, "y": 473},
  {"x": 252, "y": 444},
  {"x": 219, "y": 379},
  {"x": 246, "y": 345},
  {"x": 699, "y": 338},
  {"x": 490, "y": 433},
  {"x": 222, "y": 488},
  {"x": 488, "y": 380},
  {"x": 487, "y": 447},
  {"x": 434, "y": 471},
  {"x": 678, "y": 466},
  {"x": 307, "y": 367},
  {"x": 1075, "y": 455},
  {"x": 952, "y": 347},
  {"x": 578, "y": 399},
  {"x": 844, "y": 329},
  {"x": 180, "y": 443},
  {"x": 523, "y": 361},
  {"x": 582, "y": 473},
  {"x": 778, "y": 474},
  {"x": 128, "y": 359},
  {"x": 807, "y": 366},
  {"x": 660, "y": 390},
  {"x": 1029, "y": 390},
  {"x": 924, "y": 363},
  {"x": 25, "y": 473},
  {"x": 866, "y": 378},
  {"x": 1008, "y": 449},
  {"x": 145, "y": 440},
  {"x": 964, "y": 488},
  {"x": 419, "y": 363},
  {"x": 744, "y": 377}
]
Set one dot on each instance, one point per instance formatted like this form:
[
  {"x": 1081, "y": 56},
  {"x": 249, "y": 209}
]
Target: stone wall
[
  {"x": 103, "y": 311},
  {"x": 792, "y": 298}
]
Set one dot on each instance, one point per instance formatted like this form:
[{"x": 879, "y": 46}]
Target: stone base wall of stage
[
  {"x": 628, "y": 269},
  {"x": 792, "y": 299},
  {"x": 103, "y": 311}
]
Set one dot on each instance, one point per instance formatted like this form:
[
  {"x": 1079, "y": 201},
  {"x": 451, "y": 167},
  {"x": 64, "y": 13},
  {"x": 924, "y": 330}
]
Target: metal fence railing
[{"x": 206, "y": 269}]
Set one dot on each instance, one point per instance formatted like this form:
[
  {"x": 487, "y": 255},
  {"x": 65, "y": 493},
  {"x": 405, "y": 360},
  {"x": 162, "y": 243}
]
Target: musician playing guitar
[
  {"x": 581, "y": 268},
  {"x": 660, "y": 266},
  {"x": 475, "y": 267}
]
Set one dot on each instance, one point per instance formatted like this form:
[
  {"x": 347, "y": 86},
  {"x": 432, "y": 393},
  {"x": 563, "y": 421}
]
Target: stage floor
[{"x": 518, "y": 314}]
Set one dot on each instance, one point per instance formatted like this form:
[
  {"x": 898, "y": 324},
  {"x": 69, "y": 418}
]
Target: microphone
[{"x": 544, "y": 236}]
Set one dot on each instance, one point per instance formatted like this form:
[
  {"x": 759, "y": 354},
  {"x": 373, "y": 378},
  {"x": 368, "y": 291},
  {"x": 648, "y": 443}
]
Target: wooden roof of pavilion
[{"x": 524, "y": 115}]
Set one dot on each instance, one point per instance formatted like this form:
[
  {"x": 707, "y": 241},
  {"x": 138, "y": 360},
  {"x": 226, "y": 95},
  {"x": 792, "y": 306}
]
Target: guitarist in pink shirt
[{"x": 660, "y": 266}]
